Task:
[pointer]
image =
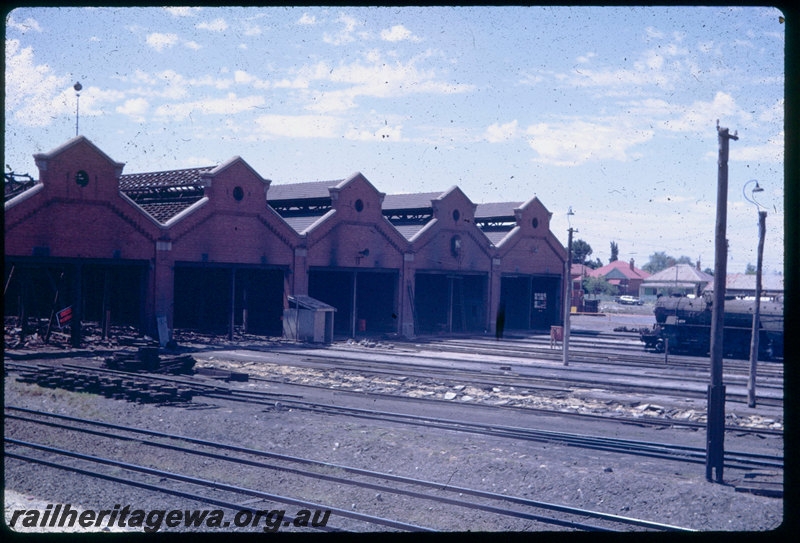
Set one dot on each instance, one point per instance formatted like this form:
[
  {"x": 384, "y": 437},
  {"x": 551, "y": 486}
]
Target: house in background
[
  {"x": 623, "y": 275},
  {"x": 743, "y": 285},
  {"x": 681, "y": 279}
]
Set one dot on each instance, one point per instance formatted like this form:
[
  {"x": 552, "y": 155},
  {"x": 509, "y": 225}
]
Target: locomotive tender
[{"x": 683, "y": 325}]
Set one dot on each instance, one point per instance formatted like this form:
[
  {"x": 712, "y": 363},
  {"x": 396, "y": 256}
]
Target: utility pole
[
  {"x": 751, "y": 381},
  {"x": 715, "y": 422},
  {"x": 568, "y": 295}
]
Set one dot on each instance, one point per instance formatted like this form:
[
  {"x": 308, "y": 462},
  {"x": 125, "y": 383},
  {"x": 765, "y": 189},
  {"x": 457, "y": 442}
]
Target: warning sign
[{"x": 64, "y": 316}]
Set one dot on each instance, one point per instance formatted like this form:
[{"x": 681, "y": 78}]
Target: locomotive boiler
[{"x": 683, "y": 325}]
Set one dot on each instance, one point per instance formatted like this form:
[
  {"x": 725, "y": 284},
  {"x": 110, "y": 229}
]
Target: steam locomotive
[{"x": 683, "y": 325}]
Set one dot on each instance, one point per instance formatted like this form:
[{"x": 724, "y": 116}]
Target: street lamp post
[
  {"x": 754, "y": 338},
  {"x": 77, "y": 88},
  {"x": 568, "y": 294}
]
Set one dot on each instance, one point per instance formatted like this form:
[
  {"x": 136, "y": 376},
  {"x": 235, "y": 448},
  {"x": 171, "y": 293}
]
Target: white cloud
[
  {"x": 193, "y": 45},
  {"x": 217, "y": 25},
  {"x": 175, "y": 84},
  {"x": 159, "y": 41},
  {"x": 34, "y": 95},
  {"x": 375, "y": 78},
  {"x": 384, "y": 133},
  {"x": 25, "y": 26},
  {"x": 699, "y": 116},
  {"x": 497, "y": 133},
  {"x": 771, "y": 151},
  {"x": 252, "y": 29},
  {"x": 299, "y": 126},
  {"x": 398, "y": 33},
  {"x": 135, "y": 108},
  {"x": 243, "y": 78},
  {"x": 581, "y": 141},
  {"x": 230, "y": 105},
  {"x": 182, "y": 11},
  {"x": 774, "y": 113},
  {"x": 345, "y": 35},
  {"x": 307, "y": 19}
]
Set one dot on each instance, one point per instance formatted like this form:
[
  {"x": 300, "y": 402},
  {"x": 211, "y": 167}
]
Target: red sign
[{"x": 64, "y": 316}]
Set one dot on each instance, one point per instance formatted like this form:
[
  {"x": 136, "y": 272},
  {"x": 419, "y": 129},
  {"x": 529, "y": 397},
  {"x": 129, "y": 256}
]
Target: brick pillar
[
  {"x": 493, "y": 303},
  {"x": 163, "y": 290},
  {"x": 406, "y": 285}
]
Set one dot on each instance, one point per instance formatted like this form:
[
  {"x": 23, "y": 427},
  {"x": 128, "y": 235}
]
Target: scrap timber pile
[
  {"x": 149, "y": 359},
  {"x": 133, "y": 389}
]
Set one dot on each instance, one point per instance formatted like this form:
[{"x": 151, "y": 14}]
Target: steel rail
[
  {"x": 643, "y": 448},
  {"x": 332, "y": 478},
  {"x": 221, "y": 486},
  {"x": 536, "y": 347},
  {"x": 146, "y": 486},
  {"x": 700, "y": 377},
  {"x": 505, "y": 379},
  {"x": 639, "y": 421},
  {"x": 227, "y": 389},
  {"x": 369, "y": 473},
  {"x": 518, "y": 379},
  {"x": 639, "y": 448}
]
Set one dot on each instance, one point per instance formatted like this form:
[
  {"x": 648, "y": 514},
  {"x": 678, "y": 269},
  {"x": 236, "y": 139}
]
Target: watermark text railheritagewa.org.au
[{"x": 64, "y": 516}]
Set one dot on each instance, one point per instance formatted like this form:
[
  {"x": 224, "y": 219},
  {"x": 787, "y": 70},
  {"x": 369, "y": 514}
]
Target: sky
[{"x": 609, "y": 111}]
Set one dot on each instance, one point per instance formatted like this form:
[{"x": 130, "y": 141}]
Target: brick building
[
  {"x": 220, "y": 247},
  {"x": 623, "y": 275}
]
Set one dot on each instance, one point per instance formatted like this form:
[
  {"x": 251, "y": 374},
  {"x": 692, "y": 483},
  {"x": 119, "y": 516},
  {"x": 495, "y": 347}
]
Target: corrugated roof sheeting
[
  {"x": 497, "y": 209},
  {"x": 164, "y": 211},
  {"x": 297, "y": 191},
  {"x": 148, "y": 181},
  {"x": 417, "y": 200},
  {"x": 299, "y": 224},
  {"x": 409, "y": 230}
]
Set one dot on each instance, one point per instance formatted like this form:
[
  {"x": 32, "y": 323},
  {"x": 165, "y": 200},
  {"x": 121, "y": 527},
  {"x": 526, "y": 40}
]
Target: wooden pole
[{"x": 715, "y": 422}]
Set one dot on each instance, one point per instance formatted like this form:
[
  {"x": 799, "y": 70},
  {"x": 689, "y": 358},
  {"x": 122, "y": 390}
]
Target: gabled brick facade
[{"x": 221, "y": 247}]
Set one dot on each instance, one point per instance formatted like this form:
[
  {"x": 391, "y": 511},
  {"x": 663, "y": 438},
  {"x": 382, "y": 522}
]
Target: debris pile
[{"x": 149, "y": 359}]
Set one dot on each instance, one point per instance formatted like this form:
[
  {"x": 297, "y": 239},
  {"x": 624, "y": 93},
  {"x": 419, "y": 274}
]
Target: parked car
[{"x": 630, "y": 300}]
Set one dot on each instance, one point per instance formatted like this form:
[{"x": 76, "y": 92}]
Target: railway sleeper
[{"x": 110, "y": 387}]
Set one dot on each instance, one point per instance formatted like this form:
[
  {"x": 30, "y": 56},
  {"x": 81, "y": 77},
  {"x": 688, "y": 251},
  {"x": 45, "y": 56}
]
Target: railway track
[
  {"x": 550, "y": 378},
  {"x": 734, "y": 460},
  {"x": 431, "y": 491},
  {"x": 638, "y": 421},
  {"x": 150, "y": 385},
  {"x": 590, "y": 348}
]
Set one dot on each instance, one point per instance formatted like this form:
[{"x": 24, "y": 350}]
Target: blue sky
[{"x": 609, "y": 110}]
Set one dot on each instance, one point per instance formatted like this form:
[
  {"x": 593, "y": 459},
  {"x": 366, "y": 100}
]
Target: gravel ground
[{"x": 649, "y": 489}]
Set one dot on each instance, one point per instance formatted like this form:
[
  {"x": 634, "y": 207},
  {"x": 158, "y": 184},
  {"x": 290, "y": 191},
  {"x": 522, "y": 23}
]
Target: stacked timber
[{"x": 149, "y": 359}]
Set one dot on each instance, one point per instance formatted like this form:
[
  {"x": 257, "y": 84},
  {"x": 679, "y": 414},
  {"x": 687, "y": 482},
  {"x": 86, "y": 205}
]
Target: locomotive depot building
[{"x": 217, "y": 248}]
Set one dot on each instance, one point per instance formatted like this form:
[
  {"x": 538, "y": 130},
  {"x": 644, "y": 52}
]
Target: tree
[
  {"x": 750, "y": 270},
  {"x": 614, "y": 252},
  {"x": 662, "y": 261},
  {"x": 594, "y": 264},
  {"x": 598, "y": 285},
  {"x": 658, "y": 261},
  {"x": 580, "y": 251}
]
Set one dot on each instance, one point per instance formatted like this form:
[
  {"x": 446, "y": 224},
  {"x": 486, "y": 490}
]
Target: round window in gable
[
  {"x": 456, "y": 215},
  {"x": 359, "y": 205},
  {"x": 238, "y": 194},
  {"x": 535, "y": 222},
  {"x": 82, "y": 178}
]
